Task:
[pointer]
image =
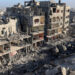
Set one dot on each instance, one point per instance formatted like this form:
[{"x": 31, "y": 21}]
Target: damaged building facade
[
  {"x": 72, "y": 22},
  {"x": 30, "y": 26},
  {"x": 72, "y": 16},
  {"x": 57, "y": 19}
]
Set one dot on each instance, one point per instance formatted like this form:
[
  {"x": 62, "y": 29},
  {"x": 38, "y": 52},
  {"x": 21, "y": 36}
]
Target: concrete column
[
  {"x": 36, "y": 45},
  {"x": 26, "y": 50},
  {"x": 10, "y": 58}
]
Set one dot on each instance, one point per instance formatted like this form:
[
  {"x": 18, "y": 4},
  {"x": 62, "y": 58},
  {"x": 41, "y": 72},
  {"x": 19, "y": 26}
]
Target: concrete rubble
[
  {"x": 63, "y": 70},
  {"x": 72, "y": 73},
  {"x": 32, "y": 43}
]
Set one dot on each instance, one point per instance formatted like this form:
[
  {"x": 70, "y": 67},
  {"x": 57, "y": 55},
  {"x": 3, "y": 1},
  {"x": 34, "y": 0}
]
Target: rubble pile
[
  {"x": 34, "y": 39},
  {"x": 41, "y": 62}
]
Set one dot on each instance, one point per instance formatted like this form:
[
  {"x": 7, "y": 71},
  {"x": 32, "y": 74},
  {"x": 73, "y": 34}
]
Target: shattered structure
[
  {"x": 72, "y": 22},
  {"x": 72, "y": 16},
  {"x": 30, "y": 26},
  {"x": 57, "y": 19}
]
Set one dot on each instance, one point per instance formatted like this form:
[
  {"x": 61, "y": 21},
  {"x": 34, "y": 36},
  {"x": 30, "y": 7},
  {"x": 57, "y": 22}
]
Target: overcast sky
[{"x": 7, "y": 3}]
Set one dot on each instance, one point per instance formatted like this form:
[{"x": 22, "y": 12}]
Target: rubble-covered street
[
  {"x": 41, "y": 62},
  {"x": 37, "y": 38}
]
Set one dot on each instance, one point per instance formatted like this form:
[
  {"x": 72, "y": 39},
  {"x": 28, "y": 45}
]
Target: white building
[{"x": 9, "y": 28}]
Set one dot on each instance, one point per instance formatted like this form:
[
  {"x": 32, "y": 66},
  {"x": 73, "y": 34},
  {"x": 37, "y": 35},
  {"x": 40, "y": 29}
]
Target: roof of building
[{"x": 3, "y": 42}]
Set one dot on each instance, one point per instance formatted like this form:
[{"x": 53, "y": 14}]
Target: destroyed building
[
  {"x": 36, "y": 22},
  {"x": 9, "y": 28},
  {"x": 72, "y": 22},
  {"x": 30, "y": 26},
  {"x": 57, "y": 19},
  {"x": 72, "y": 16},
  {"x": 32, "y": 20}
]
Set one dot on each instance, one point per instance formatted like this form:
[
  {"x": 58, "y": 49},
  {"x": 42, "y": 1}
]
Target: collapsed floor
[{"x": 39, "y": 62}]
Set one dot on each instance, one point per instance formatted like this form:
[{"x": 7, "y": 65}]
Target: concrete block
[{"x": 63, "y": 70}]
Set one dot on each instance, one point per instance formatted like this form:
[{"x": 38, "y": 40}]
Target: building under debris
[
  {"x": 31, "y": 25},
  {"x": 57, "y": 19}
]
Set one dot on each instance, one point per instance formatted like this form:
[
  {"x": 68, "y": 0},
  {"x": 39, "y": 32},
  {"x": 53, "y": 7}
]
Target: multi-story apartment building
[
  {"x": 66, "y": 18},
  {"x": 9, "y": 28},
  {"x": 57, "y": 19},
  {"x": 31, "y": 25},
  {"x": 40, "y": 20},
  {"x": 72, "y": 16},
  {"x": 46, "y": 19},
  {"x": 11, "y": 41},
  {"x": 32, "y": 20},
  {"x": 35, "y": 21}
]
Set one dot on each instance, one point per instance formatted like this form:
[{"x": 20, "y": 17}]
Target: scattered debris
[
  {"x": 30, "y": 44},
  {"x": 63, "y": 70}
]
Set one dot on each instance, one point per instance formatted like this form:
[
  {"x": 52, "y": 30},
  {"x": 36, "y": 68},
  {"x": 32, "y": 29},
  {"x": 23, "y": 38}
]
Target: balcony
[
  {"x": 38, "y": 37},
  {"x": 38, "y": 21},
  {"x": 4, "y": 46}
]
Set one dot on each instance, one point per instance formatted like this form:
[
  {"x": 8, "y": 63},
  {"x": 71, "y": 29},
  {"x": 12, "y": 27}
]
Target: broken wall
[{"x": 10, "y": 28}]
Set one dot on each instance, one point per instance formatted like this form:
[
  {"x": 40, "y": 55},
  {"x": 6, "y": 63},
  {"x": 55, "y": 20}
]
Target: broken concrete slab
[
  {"x": 64, "y": 71},
  {"x": 72, "y": 73},
  {"x": 64, "y": 47}
]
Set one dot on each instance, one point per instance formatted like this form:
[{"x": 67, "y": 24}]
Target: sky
[{"x": 8, "y": 3}]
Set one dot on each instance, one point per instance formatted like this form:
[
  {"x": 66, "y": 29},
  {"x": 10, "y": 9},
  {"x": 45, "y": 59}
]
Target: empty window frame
[
  {"x": 58, "y": 11},
  {"x": 56, "y": 30},
  {"x": 52, "y": 32},
  {"x": 54, "y": 19},
  {"x": 36, "y": 21},
  {"x": 41, "y": 36},
  {"x": 54, "y": 10},
  {"x": 35, "y": 37}
]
